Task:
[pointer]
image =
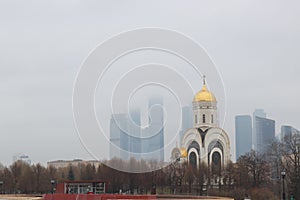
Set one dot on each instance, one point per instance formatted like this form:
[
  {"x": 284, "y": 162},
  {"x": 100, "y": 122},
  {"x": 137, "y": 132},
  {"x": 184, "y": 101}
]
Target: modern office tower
[
  {"x": 125, "y": 140},
  {"x": 287, "y": 132},
  {"x": 265, "y": 133},
  {"x": 243, "y": 134},
  {"x": 128, "y": 140},
  {"x": 187, "y": 120},
  {"x": 118, "y": 136},
  {"x": 134, "y": 131},
  {"x": 256, "y": 113},
  {"x": 153, "y": 136}
]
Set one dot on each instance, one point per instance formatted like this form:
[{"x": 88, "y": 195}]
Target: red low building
[
  {"x": 88, "y": 190},
  {"x": 82, "y": 187}
]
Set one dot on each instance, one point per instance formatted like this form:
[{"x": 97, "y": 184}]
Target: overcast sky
[{"x": 254, "y": 44}]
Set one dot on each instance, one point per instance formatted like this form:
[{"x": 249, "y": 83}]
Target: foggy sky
[{"x": 255, "y": 46}]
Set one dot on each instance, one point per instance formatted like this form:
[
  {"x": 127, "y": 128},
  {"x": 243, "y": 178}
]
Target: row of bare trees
[
  {"x": 264, "y": 171},
  {"x": 21, "y": 177},
  {"x": 284, "y": 156},
  {"x": 249, "y": 172},
  {"x": 256, "y": 175}
]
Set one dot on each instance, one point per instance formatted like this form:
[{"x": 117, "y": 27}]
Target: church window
[
  {"x": 203, "y": 118},
  {"x": 196, "y": 119},
  {"x": 193, "y": 159},
  {"x": 212, "y": 118},
  {"x": 216, "y": 163}
]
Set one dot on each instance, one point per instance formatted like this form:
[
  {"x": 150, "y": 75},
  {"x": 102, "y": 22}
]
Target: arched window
[
  {"x": 193, "y": 159},
  {"x": 203, "y": 118},
  {"x": 196, "y": 120},
  {"x": 212, "y": 118},
  {"x": 216, "y": 163}
]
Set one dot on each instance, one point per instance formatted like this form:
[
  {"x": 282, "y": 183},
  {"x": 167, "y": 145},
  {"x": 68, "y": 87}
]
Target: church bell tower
[{"x": 204, "y": 108}]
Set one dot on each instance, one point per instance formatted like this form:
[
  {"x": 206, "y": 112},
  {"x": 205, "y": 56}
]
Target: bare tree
[
  {"x": 16, "y": 171},
  {"x": 26, "y": 181},
  {"x": 88, "y": 172},
  {"x": 7, "y": 178},
  {"x": 253, "y": 167},
  {"x": 189, "y": 176},
  {"x": 291, "y": 147}
]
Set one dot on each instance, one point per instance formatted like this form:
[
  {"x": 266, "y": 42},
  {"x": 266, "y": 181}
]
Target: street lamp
[
  {"x": 1, "y": 184},
  {"x": 52, "y": 185},
  {"x": 283, "y": 188}
]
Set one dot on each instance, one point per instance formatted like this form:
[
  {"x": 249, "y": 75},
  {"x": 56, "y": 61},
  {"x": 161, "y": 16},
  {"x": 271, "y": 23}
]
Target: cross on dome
[{"x": 204, "y": 94}]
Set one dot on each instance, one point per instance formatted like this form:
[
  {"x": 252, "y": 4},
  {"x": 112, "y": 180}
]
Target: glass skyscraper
[
  {"x": 187, "y": 120},
  {"x": 118, "y": 136},
  {"x": 265, "y": 133},
  {"x": 287, "y": 132},
  {"x": 129, "y": 140},
  {"x": 243, "y": 134},
  {"x": 256, "y": 113},
  {"x": 153, "y": 136}
]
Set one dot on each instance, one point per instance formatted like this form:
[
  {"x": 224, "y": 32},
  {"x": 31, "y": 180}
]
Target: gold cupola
[{"x": 204, "y": 94}]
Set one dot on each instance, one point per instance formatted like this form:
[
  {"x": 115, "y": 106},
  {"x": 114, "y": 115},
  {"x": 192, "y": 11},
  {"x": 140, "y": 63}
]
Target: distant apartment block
[{"x": 76, "y": 162}]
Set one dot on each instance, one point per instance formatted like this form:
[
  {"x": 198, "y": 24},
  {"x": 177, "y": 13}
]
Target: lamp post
[
  {"x": 52, "y": 185},
  {"x": 1, "y": 185},
  {"x": 283, "y": 188},
  {"x": 153, "y": 189}
]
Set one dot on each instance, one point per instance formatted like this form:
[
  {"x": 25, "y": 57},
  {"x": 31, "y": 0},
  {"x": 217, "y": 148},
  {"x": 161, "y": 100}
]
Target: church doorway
[
  {"x": 216, "y": 163},
  {"x": 193, "y": 159}
]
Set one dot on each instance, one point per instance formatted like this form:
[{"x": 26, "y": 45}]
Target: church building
[{"x": 205, "y": 142}]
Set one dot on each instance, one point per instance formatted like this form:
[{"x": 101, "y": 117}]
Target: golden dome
[
  {"x": 204, "y": 94},
  {"x": 183, "y": 152}
]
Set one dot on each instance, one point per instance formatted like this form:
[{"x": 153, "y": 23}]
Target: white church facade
[{"x": 205, "y": 142}]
